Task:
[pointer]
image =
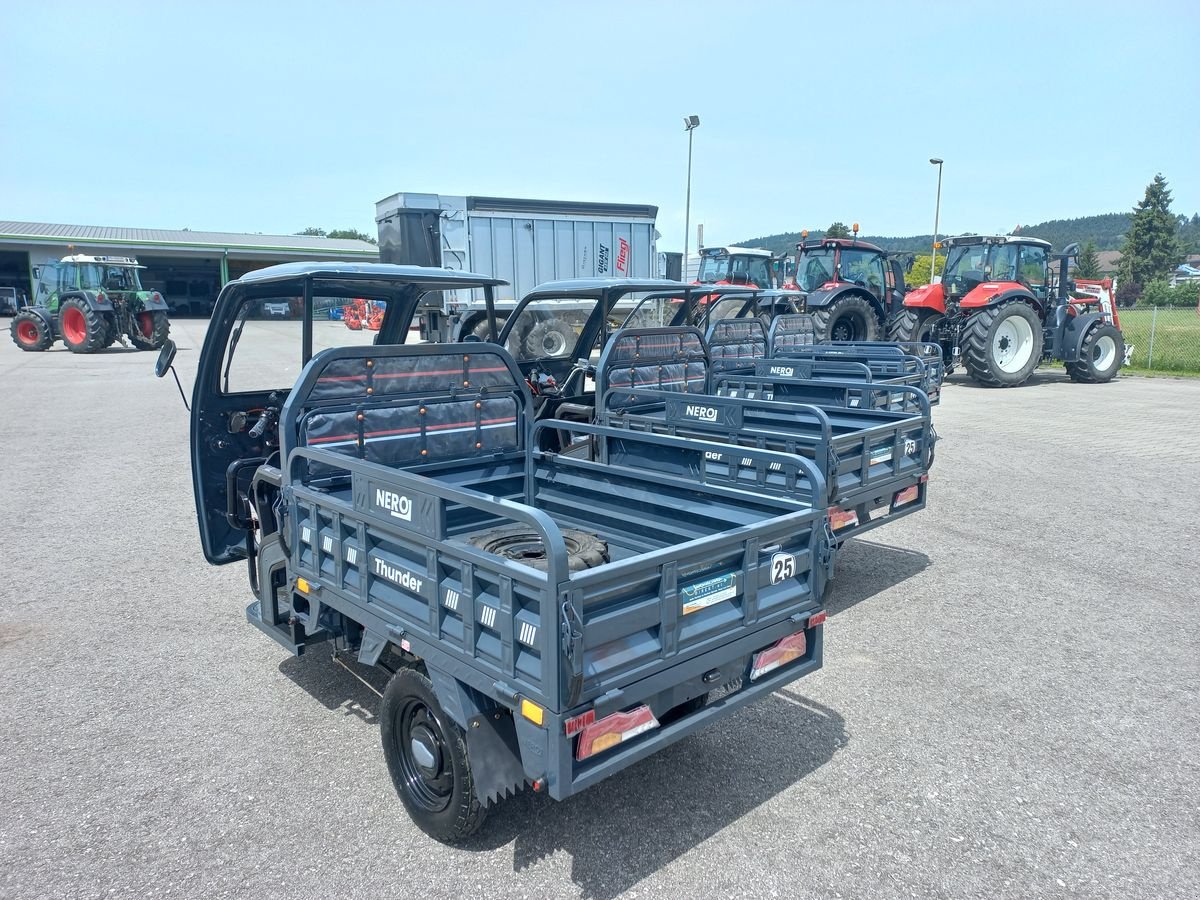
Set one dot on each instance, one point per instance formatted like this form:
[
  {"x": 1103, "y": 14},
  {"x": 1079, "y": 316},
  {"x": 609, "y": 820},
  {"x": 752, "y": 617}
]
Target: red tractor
[
  {"x": 1000, "y": 309},
  {"x": 852, "y": 286}
]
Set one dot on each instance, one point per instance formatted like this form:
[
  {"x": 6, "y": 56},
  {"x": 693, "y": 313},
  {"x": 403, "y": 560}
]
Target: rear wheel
[
  {"x": 1100, "y": 355},
  {"x": 914, "y": 325},
  {"x": 1002, "y": 345},
  {"x": 851, "y": 318},
  {"x": 426, "y": 754},
  {"x": 111, "y": 330},
  {"x": 154, "y": 328},
  {"x": 83, "y": 329},
  {"x": 552, "y": 338},
  {"x": 30, "y": 332}
]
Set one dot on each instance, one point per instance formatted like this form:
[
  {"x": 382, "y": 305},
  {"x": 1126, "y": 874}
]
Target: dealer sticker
[{"x": 702, "y": 594}]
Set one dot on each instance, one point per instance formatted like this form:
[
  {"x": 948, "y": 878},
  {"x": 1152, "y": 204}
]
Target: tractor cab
[
  {"x": 737, "y": 265},
  {"x": 978, "y": 265},
  {"x": 108, "y": 274},
  {"x": 250, "y": 361}
]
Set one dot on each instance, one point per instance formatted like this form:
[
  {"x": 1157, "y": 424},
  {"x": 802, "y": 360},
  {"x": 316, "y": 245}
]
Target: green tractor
[{"x": 90, "y": 302}]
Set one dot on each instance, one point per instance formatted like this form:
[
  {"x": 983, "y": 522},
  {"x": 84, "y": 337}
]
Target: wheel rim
[
  {"x": 1104, "y": 352},
  {"x": 27, "y": 332},
  {"x": 424, "y": 757},
  {"x": 527, "y": 546},
  {"x": 553, "y": 344},
  {"x": 844, "y": 329},
  {"x": 73, "y": 325},
  {"x": 1012, "y": 344}
]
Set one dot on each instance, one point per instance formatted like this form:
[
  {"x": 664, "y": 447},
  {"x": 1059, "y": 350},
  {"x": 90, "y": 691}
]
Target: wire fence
[{"x": 1164, "y": 338}]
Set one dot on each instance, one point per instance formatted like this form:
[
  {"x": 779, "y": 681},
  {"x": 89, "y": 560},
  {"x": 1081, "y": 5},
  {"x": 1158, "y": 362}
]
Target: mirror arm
[{"x": 179, "y": 385}]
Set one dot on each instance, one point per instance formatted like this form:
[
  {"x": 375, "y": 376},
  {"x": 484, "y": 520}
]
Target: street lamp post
[
  {"x": 937, "y": 208},
  {"x": 690, "y": 124}
]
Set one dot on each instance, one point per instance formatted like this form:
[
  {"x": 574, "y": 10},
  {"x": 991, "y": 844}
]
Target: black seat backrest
[
  {"x": 409, "y": 405},
  {"x": 791, "y": 332},
  {"x": 736, "y": 339},
  {"x": 660, "y": 359}
]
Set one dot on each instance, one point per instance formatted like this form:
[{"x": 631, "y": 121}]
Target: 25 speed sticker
[{"x": 783, "y": 567}]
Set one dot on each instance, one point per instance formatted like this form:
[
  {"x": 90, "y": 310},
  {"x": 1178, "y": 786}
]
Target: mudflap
[{"x": 492, "y": 744}]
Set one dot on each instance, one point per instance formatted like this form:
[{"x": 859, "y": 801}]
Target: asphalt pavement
[{"x": 1009, "y": 708}]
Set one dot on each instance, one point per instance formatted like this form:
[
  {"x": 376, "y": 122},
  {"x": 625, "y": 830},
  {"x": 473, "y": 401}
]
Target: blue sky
[{"x": 270, "y": 117}]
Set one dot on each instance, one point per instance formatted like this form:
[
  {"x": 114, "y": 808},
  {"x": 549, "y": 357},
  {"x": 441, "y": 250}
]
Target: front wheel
[
  {"x": 1100, "y": 355},
  {"x": 1002, "y": 345},
  {"x": 426, "y": 754},
  {"x": 550, "y": 339},
  {"x": 851, "y": 318},
  {"x": 30, "y": 332}
]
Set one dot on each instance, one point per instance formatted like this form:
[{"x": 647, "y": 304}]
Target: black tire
[
  {"x": 524, "y": 545},
  {"x": 987, "y": 337},
  {"x": 850, "y": 318},
  {"x": 438, "y": 790},
  {"x": 480, "y": 328},
  {"x": 550, "y": 338},
  {"x": 1100, "y": 355},
  {"x": 155, "y": 324},
  {"x": 913, "y": 325},
  {"x": 111, "y": 331},
  {"x": 82, "y": 328},
  {"x": 30, "y": 332}
]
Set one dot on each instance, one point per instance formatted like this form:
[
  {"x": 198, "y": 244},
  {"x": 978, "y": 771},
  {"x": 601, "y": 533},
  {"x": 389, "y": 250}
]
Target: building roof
[{"x": 45, "y": 232}]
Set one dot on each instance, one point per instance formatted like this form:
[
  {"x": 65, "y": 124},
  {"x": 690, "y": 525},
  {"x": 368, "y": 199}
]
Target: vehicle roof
[
  {"x": 104, "y": 260},
  {"x": 428, "y": 276},
  {"x": 817, "y": 244},
  {"x": 744, "y": 251},
  {"x": 587, "y": 287},
  {"x": 968, "y": 239}
]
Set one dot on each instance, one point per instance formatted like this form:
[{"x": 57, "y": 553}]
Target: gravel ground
[{"x": 1009, "y": 704}]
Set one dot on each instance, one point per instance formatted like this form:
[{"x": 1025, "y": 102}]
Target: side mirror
[{"x": 166, "y": 356}]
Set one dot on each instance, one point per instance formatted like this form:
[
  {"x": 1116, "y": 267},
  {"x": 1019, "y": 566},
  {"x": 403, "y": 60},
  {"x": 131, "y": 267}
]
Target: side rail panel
[{"x": 826, "y": 391}]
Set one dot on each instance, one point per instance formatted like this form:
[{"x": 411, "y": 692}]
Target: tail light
[
  {"x": 778, "y": 654},
  {"x": 612, "y": 730},
  {"x": 842, "y": 518},
  {"x": 102, "y": 297},
  {"x": 908, "y": 495}
]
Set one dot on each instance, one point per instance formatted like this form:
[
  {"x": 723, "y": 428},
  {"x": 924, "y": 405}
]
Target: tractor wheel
[
  {"x": 913, "y": 325},
  {"x": 851, "y": 318},
  {"x": 426, "y": 754},
  {"x": 1100, "y": 356},
  {"x": 29, "y": 332},
  {"x": 1002, "y": 345},
  {"x": 480, "y": 328},
  {"x": 552, "y": 338},
  {"x": 82, "y": 328},
  {"x": 524, "y": 545},
  {"x": 155, "y": 326},
  {"x": 111, "y": 331}
]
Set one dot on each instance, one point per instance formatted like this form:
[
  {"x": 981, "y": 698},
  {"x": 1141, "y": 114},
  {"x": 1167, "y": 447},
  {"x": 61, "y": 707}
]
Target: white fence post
[{"x": 1150, "y": 353}]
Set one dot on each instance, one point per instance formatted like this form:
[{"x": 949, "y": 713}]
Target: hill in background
[{"x": 1107, "y": 231}]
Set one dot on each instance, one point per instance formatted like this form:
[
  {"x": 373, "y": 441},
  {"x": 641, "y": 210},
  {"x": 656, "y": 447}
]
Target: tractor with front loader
[
  {"x": 1001, "y": 309},
  {"x": 90, "y": 302},
  {"x": 852, "y": 286}
]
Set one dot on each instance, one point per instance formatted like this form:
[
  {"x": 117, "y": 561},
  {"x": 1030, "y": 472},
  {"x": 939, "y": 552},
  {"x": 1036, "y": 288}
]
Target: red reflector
[
  {"x": 840, "y": 518},
  {"x": 924, "y": 479},
  {"x": 576, "y": 724},
  {"x": 908, "y": 495},
  {"x": 612, "y": 730},
  {"x": 778, "y": 654},
  {"x": 817, "y": 619}
]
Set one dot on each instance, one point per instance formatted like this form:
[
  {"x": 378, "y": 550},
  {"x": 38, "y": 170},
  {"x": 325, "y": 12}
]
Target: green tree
[
  {"x": 1088, "y": 264},
  {"x": 1151, "y": 248},
  {"x": 350, "y": 234},
  {"x": 919, "y": 273},
  {"x": 837, "y": 230},
  {"x": 310, "y": 231}
]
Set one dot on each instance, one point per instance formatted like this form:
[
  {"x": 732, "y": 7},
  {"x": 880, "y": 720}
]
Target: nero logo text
[
  {"x": 703, "y": 413},
  {"x": 397, "y": 576},
  {"x": 396, "y": 504},
  {"x": 785, "y": 371}
]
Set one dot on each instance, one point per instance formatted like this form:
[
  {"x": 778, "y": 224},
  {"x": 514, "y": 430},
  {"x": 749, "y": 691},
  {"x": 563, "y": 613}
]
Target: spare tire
[
  {"x": 524, "y": 545},
  {"x": 552, "y": 338}
]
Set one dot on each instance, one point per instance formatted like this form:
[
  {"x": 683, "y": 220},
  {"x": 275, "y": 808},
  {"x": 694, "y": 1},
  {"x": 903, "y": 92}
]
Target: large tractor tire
[
  {"x": 111, "y": 330},
  {"x": 850, "y": 318},
  {"x": 551, "y": 338},
  {"x": 524, "y": 545},
  {"x": 480, "y": 329},
  {"x": 426, "y": 754},
  {"x": 155, "y": 326},
  {"x": 30, "y": 332},
  {"x": 913, "y": 325},
  {"x": 82, "y": 328},
  {"x": 1002, "y": 345},
  {"x": 1100, "y": 355}
]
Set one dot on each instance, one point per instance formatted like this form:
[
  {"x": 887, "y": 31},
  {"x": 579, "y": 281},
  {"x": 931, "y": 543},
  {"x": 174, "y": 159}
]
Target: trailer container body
[{"x": 523, "y": 242}]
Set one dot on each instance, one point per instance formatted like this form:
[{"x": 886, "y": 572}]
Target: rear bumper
[{"x": 566, "y": 776}]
